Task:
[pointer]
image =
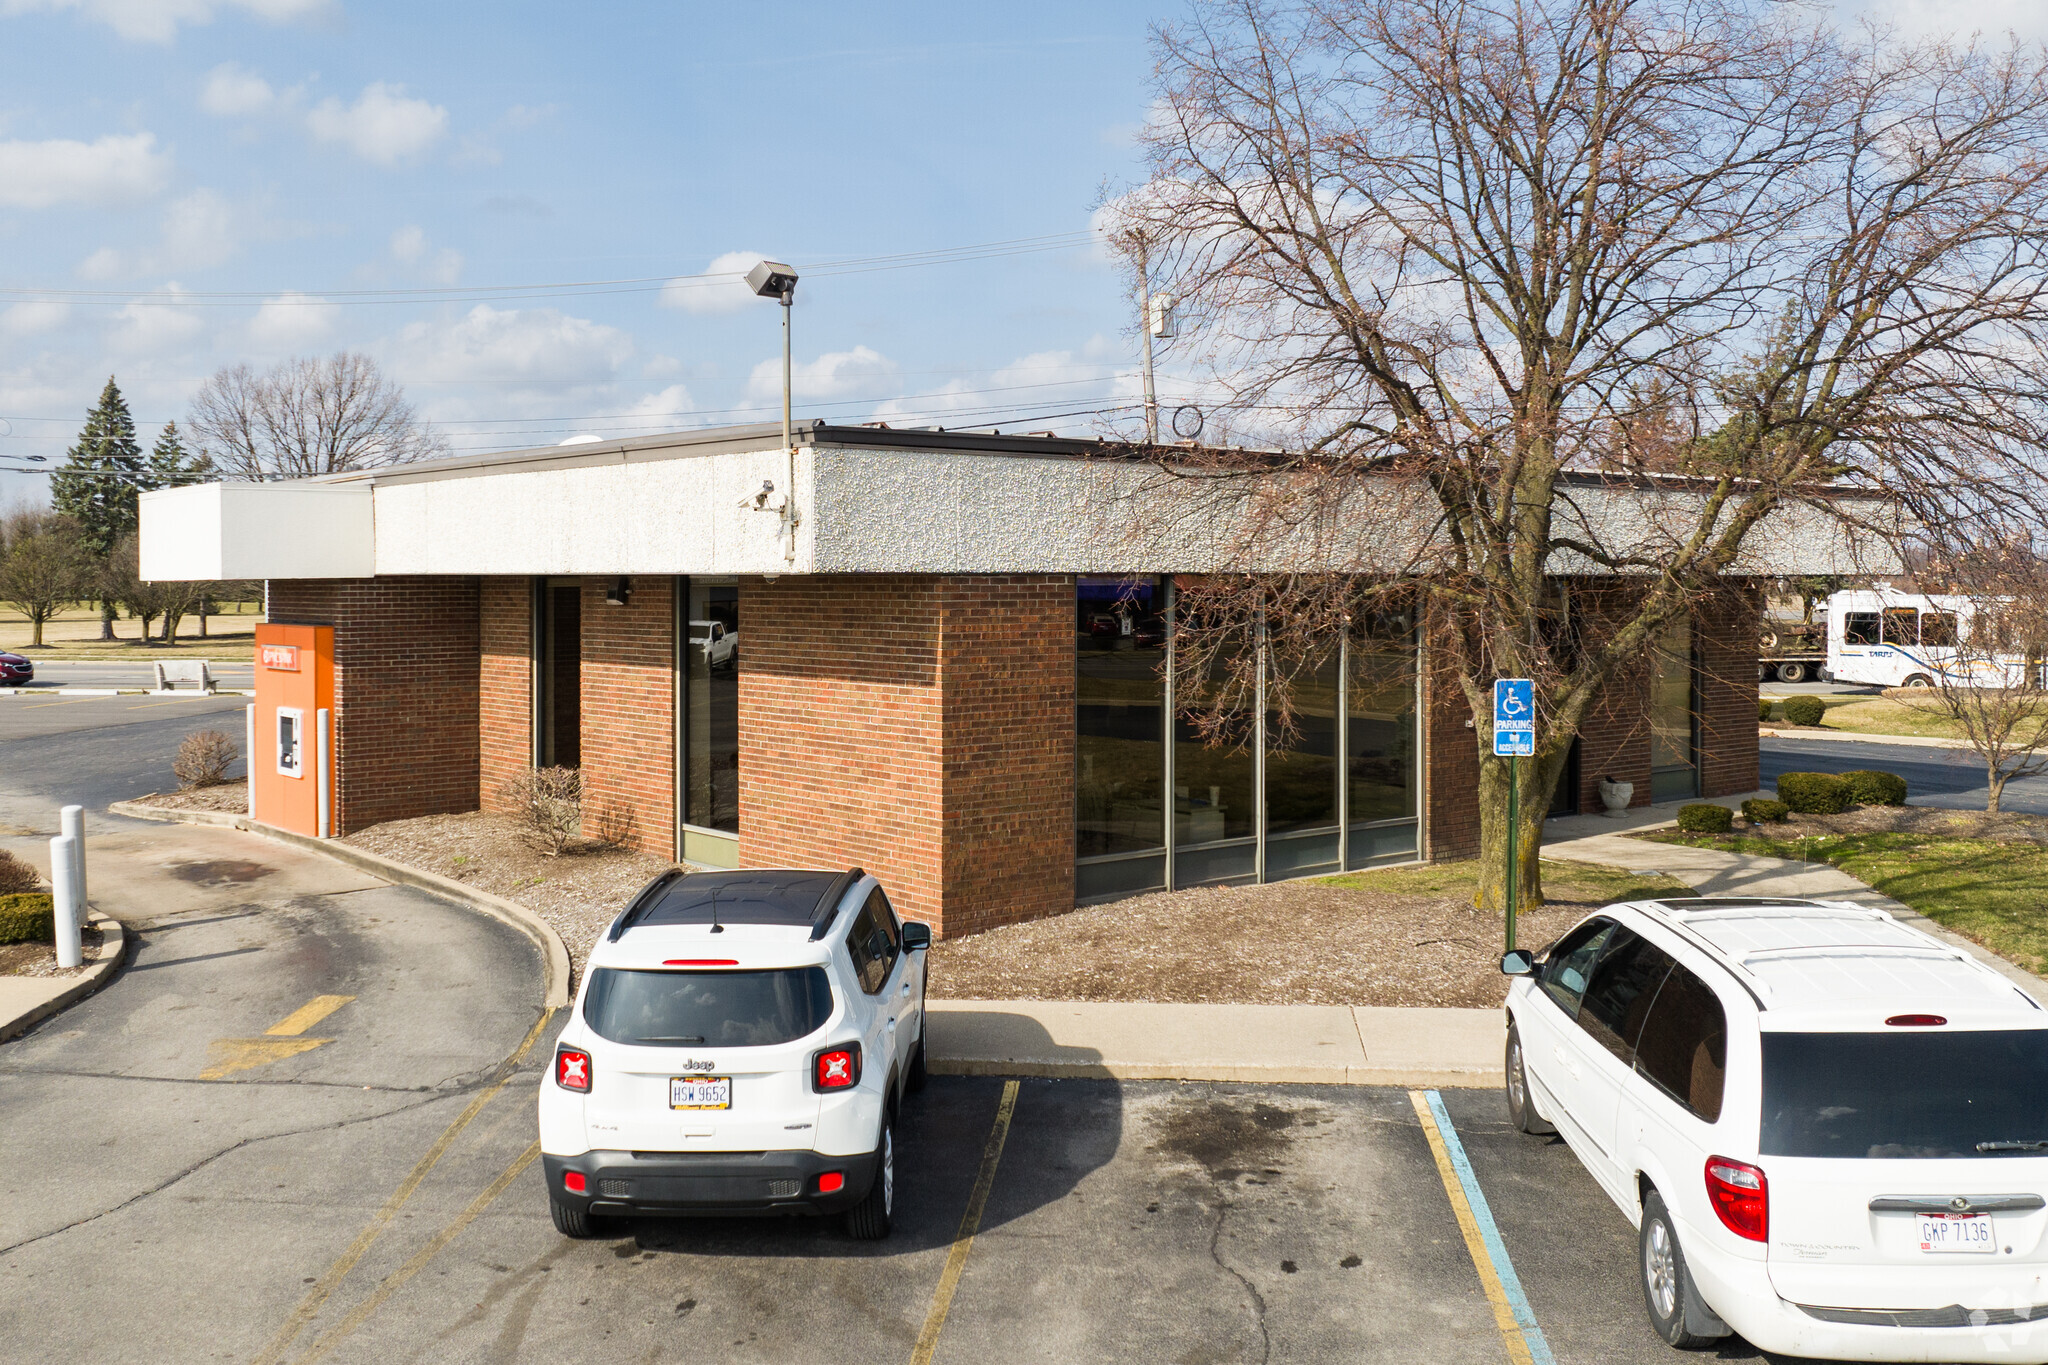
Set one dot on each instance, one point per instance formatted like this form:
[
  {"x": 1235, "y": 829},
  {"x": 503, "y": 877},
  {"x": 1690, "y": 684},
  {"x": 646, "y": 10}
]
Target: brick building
[{"x": 937, "y": 655}]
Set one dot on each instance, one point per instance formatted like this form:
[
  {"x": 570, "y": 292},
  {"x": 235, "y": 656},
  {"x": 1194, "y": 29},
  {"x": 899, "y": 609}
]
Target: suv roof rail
[
  {"x": 828, "y": 904},
  {"x": 642, "y": 903}
]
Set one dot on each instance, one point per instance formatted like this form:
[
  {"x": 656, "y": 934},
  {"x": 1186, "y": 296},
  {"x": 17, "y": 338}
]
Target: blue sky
[
  {"x": 294, "y": 150},
  {"x": 165, "y": 153}
]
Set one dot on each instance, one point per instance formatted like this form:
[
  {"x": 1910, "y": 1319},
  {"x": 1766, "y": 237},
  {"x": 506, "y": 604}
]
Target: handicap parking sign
[{"x": 1514, "y": 717}]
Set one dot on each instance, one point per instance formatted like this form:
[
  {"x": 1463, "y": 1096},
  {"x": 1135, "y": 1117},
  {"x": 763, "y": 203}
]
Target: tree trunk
[
  {"x": 107, "y": 620},
  {"x": 1997, "y": 785},
  {"x": 203, "y": 605},
  {"x": 36, "y": 632},
  {"x": 1538, "y": 782}
]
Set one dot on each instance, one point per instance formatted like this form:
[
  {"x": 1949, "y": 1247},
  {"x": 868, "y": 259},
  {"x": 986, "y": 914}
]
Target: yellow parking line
[
  {"x": 307, "y": 1015},
  {"x": 75, "y": 701},
  {"x": 390, "y": 1284},
  {"x": 970, "y": 1222},
  {"x": 325, "y": 1285}
]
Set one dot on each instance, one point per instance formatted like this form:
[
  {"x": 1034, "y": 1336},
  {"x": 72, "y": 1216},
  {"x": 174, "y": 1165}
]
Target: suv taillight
[
  {"x": 572, "y": 1069},
  {"x": 1741, "y": 1197},
  {"x": 836, "y": 1068}
]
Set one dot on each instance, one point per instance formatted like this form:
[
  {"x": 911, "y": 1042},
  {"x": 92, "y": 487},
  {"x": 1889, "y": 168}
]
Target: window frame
[
  {"x": 1873, "y": 634},
  {"x": 1891, "y": 614}
]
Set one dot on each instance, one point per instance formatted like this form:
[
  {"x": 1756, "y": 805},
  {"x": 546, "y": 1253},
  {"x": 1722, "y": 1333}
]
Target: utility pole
[{"x": 1145, "y": 331}]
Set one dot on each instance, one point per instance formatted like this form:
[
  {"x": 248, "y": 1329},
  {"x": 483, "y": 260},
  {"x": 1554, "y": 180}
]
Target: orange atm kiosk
[{"x": 291, "y": 747}]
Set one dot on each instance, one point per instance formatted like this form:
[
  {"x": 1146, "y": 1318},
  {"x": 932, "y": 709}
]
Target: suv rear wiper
[
  {"x": 2015, "y": 1145},
  {"x": 670, "y": 1038}
]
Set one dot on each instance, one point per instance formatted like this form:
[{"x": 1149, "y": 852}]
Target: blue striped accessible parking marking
[{"x": 1512, "y": 1313}]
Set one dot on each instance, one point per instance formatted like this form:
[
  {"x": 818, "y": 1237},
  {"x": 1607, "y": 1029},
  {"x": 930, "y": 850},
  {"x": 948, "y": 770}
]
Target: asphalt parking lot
[{"x": 299, "y": 1126}]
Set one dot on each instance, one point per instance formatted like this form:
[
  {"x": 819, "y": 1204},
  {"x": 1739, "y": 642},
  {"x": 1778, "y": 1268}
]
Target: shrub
[
  {"x": 548, "y": 804},
  {"x": 1869, "y": 787},
  {"x": 1705, "y": 818},
  {"x": 203, "y": 759},
  {"x": 29, "y": 917},
  {"x": 1804, "y": 710},
  {"x": 1814, "y": 793},
  {"x": 1763, "y": 708},
  {"x": 16, "y": 875},
  {"x": 1761, "y": 810}
]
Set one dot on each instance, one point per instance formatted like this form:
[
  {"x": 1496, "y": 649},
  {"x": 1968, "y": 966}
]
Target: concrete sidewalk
[{"x": 1313, "y": 1044}]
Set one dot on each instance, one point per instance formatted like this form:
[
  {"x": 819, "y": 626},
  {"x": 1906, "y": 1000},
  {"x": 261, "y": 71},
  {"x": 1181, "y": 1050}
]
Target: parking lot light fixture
[{"x": 774, "y": 280}]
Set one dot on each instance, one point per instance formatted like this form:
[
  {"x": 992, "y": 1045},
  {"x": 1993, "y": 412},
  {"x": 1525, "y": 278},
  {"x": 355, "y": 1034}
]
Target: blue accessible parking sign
[{"x": 1514, "y": 717}]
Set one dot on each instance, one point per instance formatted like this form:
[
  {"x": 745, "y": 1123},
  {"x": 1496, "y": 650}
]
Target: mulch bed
[
  {"x": 40, "y": 959},
  {"x": 232, "y": 797},
  {"x": 2006, "y": 827},
  {"x": 1287, "y": 943}
]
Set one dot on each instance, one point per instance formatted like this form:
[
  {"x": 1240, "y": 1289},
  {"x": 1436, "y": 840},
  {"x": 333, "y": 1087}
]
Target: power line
[{"x": 645, "y": 284}]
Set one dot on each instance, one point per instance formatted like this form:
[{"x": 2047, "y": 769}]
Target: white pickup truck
[{"x": 721, "y": 646}]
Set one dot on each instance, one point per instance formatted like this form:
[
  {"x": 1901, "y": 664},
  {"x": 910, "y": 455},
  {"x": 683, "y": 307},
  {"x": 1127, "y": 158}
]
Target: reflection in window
[
  {"x": 1119, "y": 691},
  {"x": 1301, "y": 778},
  {"x": 1381, "y": 762},
  {"x": 712, "y": 708},
  {"x": 1673, "y": 770},
  {"x": 1901, "y": 626}
]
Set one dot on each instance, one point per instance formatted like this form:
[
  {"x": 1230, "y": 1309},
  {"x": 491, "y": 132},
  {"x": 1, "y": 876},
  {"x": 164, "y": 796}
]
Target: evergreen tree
[
  {"x": 171, "y": 465},
  {"x": 97, "y": 484}
]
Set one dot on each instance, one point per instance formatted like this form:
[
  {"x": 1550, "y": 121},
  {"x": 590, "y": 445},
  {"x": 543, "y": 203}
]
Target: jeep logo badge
[{"x": 692, "y": 1064}]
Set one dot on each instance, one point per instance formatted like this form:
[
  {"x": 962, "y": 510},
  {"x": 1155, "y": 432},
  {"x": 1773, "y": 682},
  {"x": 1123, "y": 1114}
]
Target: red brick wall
[
  {"x": 629, "y": 711},
  {"x": 1451, "y": 764},
  {"x": 505, "y": 721},
  {"x": 406, "y": 691},
  {"x": 920, "y": 727}
]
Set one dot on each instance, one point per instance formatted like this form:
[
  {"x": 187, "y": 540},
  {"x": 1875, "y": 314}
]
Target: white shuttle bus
[{"x": 1903, "y": 639}]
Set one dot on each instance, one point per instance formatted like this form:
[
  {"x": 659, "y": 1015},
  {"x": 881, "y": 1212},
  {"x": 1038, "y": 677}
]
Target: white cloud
[
  {"x": 156, "y": 21},
  {"x": 857, "y": 373},
  {"x": 2027, "y": 19},
  {"x": 232, "y": 92},
  {"x": 384, "y": 125},
  {"x": 291, "y": 322},
  {"x": 28, "y": 319},
  {"x": 200, "y": 230},
  {"x": 668, "y": 406},
  {"x": 408, "y": 244},
  {"x": 515, "y": 344},
  {"x": 116, "y": 169},
  {"x": 726, "y": 294},
  {"x": 156, "y": 328}
]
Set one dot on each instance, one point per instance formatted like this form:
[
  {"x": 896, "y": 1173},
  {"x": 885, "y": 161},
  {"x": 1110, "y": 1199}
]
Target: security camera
[{"x": 767, "y": 500}]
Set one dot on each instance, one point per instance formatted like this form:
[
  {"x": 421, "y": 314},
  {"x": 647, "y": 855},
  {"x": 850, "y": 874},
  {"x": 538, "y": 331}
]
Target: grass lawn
[
  {"x": 75, "y": 634},
  {"x": 1991, "y": 891},
  {"x": 1587, "y": 883},
  {"x": 1881, "y": 716}
]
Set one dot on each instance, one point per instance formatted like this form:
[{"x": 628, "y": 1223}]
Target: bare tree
[
  {"x": 44, "y": 565},
  {"x": 1985, "y": 655},
  {"x": 1545, "y": 307},
  {"x": 308, "y": 416}
]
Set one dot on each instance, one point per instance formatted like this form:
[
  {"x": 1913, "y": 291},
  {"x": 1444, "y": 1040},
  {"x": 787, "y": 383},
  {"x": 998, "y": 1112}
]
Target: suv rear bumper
[{"x": 681, "y": 1184}]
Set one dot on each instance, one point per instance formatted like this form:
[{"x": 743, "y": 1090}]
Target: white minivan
[
  {"x": 741, "y": 1044},
  {"x": 1830, "y": 1129}
]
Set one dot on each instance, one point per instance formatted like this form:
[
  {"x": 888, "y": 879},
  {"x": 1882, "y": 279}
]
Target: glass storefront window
[
  {"x": 1380, "y": 762},
  {"x": 711, "y": 714},
  {"x": 1119, "y": 701},
  {"x": 1674, "y": 770}
]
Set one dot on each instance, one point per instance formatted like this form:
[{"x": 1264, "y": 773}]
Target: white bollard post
[
  {"x": 323, "y": 759},
  {"x": 249, "y": 752},
  {"x": 71, "y": 825},
  {"x": 63, "y": 873}
]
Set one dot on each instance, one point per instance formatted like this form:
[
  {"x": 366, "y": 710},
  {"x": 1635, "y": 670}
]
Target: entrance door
[{"x": 559, "y": 743}]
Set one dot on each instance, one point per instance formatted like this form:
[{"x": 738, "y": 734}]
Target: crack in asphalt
[
  {"x": 1258, "y": 1299},
  {"x": 206, "y": 1161},
  {"x": 436, "y": 1088}
]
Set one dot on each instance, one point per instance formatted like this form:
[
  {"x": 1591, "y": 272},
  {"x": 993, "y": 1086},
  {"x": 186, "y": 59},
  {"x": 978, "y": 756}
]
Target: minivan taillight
[
  {"x": 836, "y": 1068},
  {"x": 1741, "y": 1197},
  {"x": 572, "y": 1069}
]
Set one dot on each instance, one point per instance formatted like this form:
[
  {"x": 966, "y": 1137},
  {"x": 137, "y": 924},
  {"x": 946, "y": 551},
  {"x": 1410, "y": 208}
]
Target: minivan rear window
[
  {"x": 707, "y": 1009},
  {"x": 1904, "y": 1095}
]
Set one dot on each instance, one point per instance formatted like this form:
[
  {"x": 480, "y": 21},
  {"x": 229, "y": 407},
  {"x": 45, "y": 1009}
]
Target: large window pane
[
  {"x": 1119, "y": 695},
  {"x": 1673, "y": 773},
  {"x": 1301, "y": 769},
  {"x": 712, "y": 708},
  {"x": 1380, "y": 764},
  {"x": 1214, "y": 783},
  {"x": 561, "y": 675}
]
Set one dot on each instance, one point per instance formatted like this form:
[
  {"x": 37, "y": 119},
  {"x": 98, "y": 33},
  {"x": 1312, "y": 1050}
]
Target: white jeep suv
[
  {"x": 1830, "y": 1129},
  {"x": 740, "y": 1045}
]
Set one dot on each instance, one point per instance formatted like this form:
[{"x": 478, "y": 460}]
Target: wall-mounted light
[{"x": 618, "y": 591}]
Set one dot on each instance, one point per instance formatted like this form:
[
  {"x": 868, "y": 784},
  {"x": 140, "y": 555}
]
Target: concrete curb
[
  {"x": 33, "y": 691},
  {"x": 113, "y": 947},
  {"x": 1850, "y": 737},
  {"x": 554, "y": 953}
]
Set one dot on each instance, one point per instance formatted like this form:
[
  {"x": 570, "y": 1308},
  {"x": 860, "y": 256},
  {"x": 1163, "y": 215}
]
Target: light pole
[
  {"x": 1157, "y": 322},
  {"x": 774, "y": 280}
]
